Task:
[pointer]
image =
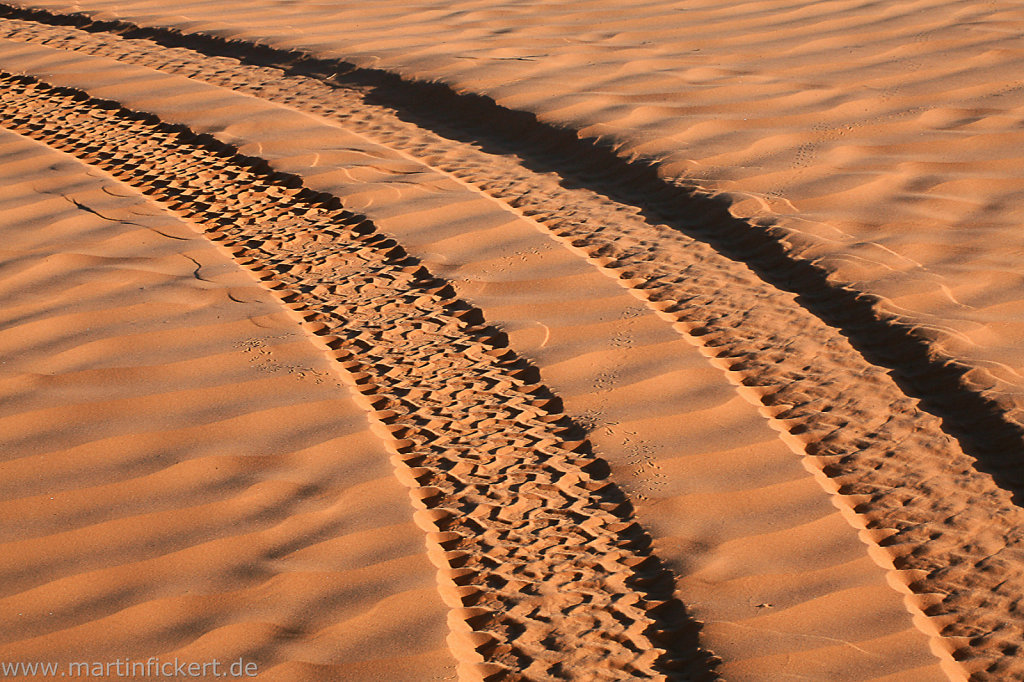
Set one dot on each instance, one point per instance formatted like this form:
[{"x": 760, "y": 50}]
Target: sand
[
  {"x": 703, "y": 367},
  {"x": 185, "y": 476}
]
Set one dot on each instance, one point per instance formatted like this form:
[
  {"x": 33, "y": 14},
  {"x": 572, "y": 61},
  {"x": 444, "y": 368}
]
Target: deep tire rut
[{"x": 545, "y": 569}]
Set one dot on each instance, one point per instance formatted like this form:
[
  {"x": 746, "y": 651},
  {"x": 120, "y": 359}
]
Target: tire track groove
[{"x": 547, "y": 573}]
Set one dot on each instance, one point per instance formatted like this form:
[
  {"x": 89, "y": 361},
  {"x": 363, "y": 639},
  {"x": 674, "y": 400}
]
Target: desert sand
[{"x": 532, "y": 341}]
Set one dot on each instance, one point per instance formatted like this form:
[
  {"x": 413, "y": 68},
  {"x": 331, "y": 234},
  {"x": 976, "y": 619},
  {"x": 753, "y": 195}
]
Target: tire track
[
  {"x": 548, "y": 575},
  {"x": 919, "y": 497},
  {"x": 977, "y": 407},
  {"x": 221, "y": 490}
]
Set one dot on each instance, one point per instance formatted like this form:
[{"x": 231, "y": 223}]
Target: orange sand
[{"x": 186, "y": 474}]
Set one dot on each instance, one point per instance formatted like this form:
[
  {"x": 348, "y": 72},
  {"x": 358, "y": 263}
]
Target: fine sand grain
[{"x": 356, "y": 377}]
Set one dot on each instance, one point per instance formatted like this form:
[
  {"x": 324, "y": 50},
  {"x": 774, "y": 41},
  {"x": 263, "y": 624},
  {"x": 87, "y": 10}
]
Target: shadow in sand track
[{"x": 982, "y": 426}]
